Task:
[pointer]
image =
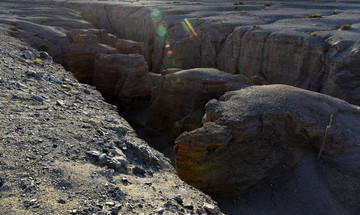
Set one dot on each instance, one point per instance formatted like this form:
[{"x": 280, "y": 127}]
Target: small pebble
[
  {"x": 44, "y": 55},
  {"x": 86, "y": 91},
  {"x": 139, "y": 171},
  {"x": 61, "y": 102},
  {"x": 93, "y": 153},
  {"x": 29, "y": 55},
  {"x": 53, "y": 79},
  {"x": 37, "y": 98},
  {"x": 212, "y": 209},
  {"x": 160, "y": 211},
  {"x": 61, "y": 201}
]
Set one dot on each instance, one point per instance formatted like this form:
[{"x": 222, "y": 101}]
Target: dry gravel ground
[{"x": 59, "y": 146}]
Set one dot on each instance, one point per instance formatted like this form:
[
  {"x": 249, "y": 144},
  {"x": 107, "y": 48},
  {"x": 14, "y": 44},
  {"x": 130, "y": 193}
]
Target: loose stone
[
  {"x": 29, "y": 55},
  {"x": 37, "y": 98},
  {"x": 210, "y": 208}
]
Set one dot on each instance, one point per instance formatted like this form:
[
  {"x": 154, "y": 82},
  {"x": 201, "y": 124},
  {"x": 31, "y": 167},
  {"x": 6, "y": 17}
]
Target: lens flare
[
  {"x": 161, "y": 31},
  {"x": 156, "y": 15},
  {"x": 189, "y": 28}
]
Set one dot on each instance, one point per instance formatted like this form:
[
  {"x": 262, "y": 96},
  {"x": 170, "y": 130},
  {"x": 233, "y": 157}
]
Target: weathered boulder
[
  {"x": 81, "y": 53},
  {"x": 125, "y": 77},
  {"x": 129, "y": 47},
  {"x": 101, "y": 35},
  {"x": 131, "y": 23},
  {"x": 261, "y": 132},
  {"x": 180, "y": 96}
]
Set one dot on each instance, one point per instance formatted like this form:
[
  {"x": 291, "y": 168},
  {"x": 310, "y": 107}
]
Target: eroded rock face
[
  {"x": 274, "y": 43},
  {"x": 44, "y": 27},
  {"x": 124, "y": 76},
  {"x": 180, "y": 97},
  {"x": 82, "y": 51},
  {"x": 261, "y": 132},
  {"x": 129, "y": 47}
]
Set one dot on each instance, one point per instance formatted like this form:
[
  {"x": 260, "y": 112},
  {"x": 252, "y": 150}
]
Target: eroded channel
[{"x": 161, "y": 64}]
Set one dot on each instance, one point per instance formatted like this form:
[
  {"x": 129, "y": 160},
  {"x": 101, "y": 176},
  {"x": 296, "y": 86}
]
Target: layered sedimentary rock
[
  {"x": 86, "y": 44},
  {"x": 130, "y": 22},
  {"x": 115, "y": 66},
  {"x": 125, "y": 77},
  {"x": 279, "y": 58},
  {"x": 274, "y": 42},
  {"x": 129, "y": 47},
  {"x": 295, "y": 59},
  {"x": 179, "y": 99},
  {"x": 262, "y": 132},
  {"x": 44, "y": 28}
]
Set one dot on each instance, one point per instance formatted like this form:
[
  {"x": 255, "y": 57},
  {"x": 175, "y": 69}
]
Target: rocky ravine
[
  {"x": 66, "y": 151},
  {"x": 275, "y": 40},
  {"x": 276, "y": 129}
]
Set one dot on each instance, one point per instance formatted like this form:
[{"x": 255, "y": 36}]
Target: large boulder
[
  {"x": 82, "y": 51},
  {"x": 125, "y": 77},
  {"x": 101, "y": 35},
  {"x": 180, "y": 97},
  {"x": 129, "y": 47},
  {"x": 262, "y": 132}
]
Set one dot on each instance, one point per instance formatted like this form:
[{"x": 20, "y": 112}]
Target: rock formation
[
  {"x": 85, "y": 45},
  {"x": 115, "y": 66},
  {"x": 125, "y": 77},
  {"x": 262, "y": 132},
  {"x": 129, "y": 47},
  {"x": 179, "y": 98},
  {"x": 244, "y": 140},
  {"x": 274, "y": 42},
  {"x": 44, "y": 31}
]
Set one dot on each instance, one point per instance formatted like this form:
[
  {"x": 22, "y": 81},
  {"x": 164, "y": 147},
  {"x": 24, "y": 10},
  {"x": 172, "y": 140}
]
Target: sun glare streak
[
  {"x": 161, "y": 31},
  {"x": 156, "y": 15},
  {"x": 191, "y": 28},
  {"x": 188, "y": 28}
]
